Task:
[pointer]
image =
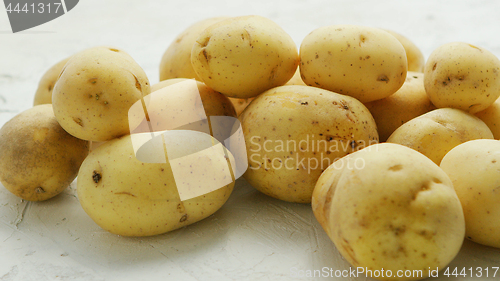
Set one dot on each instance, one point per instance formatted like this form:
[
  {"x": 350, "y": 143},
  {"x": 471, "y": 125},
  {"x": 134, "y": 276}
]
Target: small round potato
[
  {"x": 491, "y": 116},
  {"x": 214, "y": 103},
  {"x": 463, "y": 76},
  {"x": 176, "y": 61},
  {"x": 242, "y": 57},
  {"x": 362, "y": 62},
  {"x": 474, "y": 169},
  {"x": 43, "y": 94},
  {"x": 416, "y": 60},
  {"x": 132, "y": 198},
  {"x": 435, "y": 133},
  {"x": 292, "y": 133},
  {"x": 408, "y": 102},
  {"x": 96, "y": 88},
  {"x": 38, "y": 159},
  {"x": 389, "y": 207}
]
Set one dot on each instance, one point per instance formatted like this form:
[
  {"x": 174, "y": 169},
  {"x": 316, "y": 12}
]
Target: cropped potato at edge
[
  {"x": 129, "y": 197},
  {"x": 359, "y": 61},
  {"x": 292, "y": 133},
  {"x": 242, "y": 57},
  {"x": 96, "y": 88},
  {"x": 474, "y": 170},
  {"x": 390, "y": 207},
  {"x": 416, "y": 60},
  {"x": 491, "y": 116},
  {"x": 43, "y": 94},
  {"x": 435, "y": 133},
  {"x": 38, "y": 159}
]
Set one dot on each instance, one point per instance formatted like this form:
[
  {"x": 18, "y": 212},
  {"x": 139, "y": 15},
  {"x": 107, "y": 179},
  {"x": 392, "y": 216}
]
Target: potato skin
[
  {"x": 462, "y": 76},
  {"x": 491, "y": 116},
  {"x": 131, "y": 198},
  {"x": 292, "y": 133},
  {"x": 38, "y": 159},
  {"x": 362, "y": 62},
  {"x": 388, "y": 206},
  {"x": 43, "y": 94},
  {"x": 473, "y": 168},
  {"x": 242, "y": 57},
  {"x": 408, "y": 102},
  {"x": 215, "y": 103},
  {"x": 92, "y": 97},
  {"x": 435, "y": 133},
  {"x": 176, "y": 61},
  {"x": 416, "y": 60}
]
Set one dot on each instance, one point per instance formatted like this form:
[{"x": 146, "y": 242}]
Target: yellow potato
[
  {"x": 408, "y": 102},
  {"x": 416, "y": 60},
  {"x": 92, "y": 97},
  {"x": 43, "y": 94},
  {"x": 491, "y": 116},
  {"x": 38, "y": 159},
  {"x": 463, "y": 76},
  {"x": 292, "y": 133},
  {"x": 474, "y": 170},
  {"x": 215, "y": 103},
  {"x": 176, "y": 61},
  {"x": 242, "y": 57},
  {"x": 362, "y": 62},
  {"x": 438, "y": 131},
  {"x": 132, "y": 198},
  {"x": 240, "y": 104},
  {"x": 388, "y": 207}
]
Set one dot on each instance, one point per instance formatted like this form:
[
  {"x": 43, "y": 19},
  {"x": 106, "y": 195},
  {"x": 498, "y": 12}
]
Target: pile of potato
[{"x": 397, "y": 156}]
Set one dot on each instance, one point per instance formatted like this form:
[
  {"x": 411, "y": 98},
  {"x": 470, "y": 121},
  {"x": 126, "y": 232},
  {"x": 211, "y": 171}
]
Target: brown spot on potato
[
  {"x": 396, "y": 168},
  {"x": 183, "y": 218},
  {"x": 39, "y": 190},
  {"x": 125, "y": 193},
  {"x": 114, "y": 50},
  {"x": 434, "y": 66},
  {"x": 383, "y": 78},
  {"x": 78, "y": 121},
  {"x": 96, "y": 177},
  {"x": 93, "y": 80}
]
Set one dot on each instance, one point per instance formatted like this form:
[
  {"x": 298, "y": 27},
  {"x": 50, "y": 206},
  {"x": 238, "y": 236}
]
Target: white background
[{"x": 253, "y": 237}]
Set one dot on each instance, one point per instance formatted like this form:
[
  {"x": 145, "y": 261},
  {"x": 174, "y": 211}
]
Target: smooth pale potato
[
  {"x": 435, "y": 133},
  {"x": 240, "y": 104},
  {"x": 293, "y": 133},
  {"x": 390, "y": 207},
  {"x": 491, "y": 116},
  {"x": 132, "y": 198},
  {"x": 416, "y": 60},
  {"x": 242, "y": 57},
  {"x": 96, "y": 88},
  {"x": 362, "y": 62},
  {"x": 176, "y": 61},
  {"x": 38, "y": 159},
  {"x": 463, "y": 76},
  {"x": 215, "y": 103},
  {"x": 43, "y": 93},
  {"x": 474, "y": 169},
  {"x": 408, "y": 102}
]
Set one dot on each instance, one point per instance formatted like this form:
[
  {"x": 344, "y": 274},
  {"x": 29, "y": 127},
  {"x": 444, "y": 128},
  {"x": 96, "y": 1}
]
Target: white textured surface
[{"x": 253, "y": 237}]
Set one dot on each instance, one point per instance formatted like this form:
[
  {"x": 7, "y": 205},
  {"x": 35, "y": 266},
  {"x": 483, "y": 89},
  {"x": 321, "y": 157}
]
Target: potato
[
  {"x": 242, "y": 57},
  {"x": 43, "y": 94},
  {"x": 292, "y": 133},
  {"x": 176, "y": 61},
  {"x": 388, "y": 207},
  {"x": 96, "y": 88},
  {"x": 491, "y": 116},
  {"x": 416, "y": 60},
  {"x": 474, "y": 169},
  {"x": 362, "y": 62},
  {"x": 408, "y": 102},
  {"x": 240, "y": 104},
  {"x": 463, "y": 76},
  {"x": 180, "y": 179},
  {"x": 437, "y": 132},
  {"x": 215, "y": 103},
  {"x": 38, "y": 159}
]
